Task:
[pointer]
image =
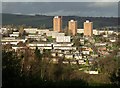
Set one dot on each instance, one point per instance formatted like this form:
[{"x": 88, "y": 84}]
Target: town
[
  {"x": 81, "y": 49},
  {"x": 72, "y": 45}
]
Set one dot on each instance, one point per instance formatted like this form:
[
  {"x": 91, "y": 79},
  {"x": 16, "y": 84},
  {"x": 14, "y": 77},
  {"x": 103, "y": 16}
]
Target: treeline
[
  {"x": 43, "y": 21},
  {"x": 30, "y": 70},
  {"x": 33, "y": 69}
]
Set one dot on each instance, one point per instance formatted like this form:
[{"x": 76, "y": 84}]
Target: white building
[
  {"x": 100, "y": 44},
  {"x": 95, "y": 32},
  {"x": 80, "y": 30},
  {"x": 112, "y": 40},
  {"x": 69, "y": 56},
  {"x": 65, "y": 48},
  {"x": 54, "y": 35},
  {"x": 39, "y": 45},
  {"x": 15, "y": 34},
  {"x": 62, "y": 38},
  {"x": 86, "y": 52},
  {"x": 78, "y": 56},
  {"x": 13, "y": 40},
  {"x": 42, "y": 31},
  {"x": 62, "y": 44},
  {"x": 31, "y": 30},
  {"x": 81, "y": 62}
]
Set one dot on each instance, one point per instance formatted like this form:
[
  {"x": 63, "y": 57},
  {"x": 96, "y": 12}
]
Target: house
[
  {"x": 73, "y": 62},
  {"x": 82, "y": 41},
  {"x": 100, "y": 44},
  {"x": 11, "y": 40},
  {"x": 112, "y": 40},
  {"x": 65, "y": 48},
  {"x": 80, "y": 30},
  {"x": 81, "y": 61},
  {"x": 91, "y": 72},
  {"x": 65, "y": 62},
  {"x": 42, "y": 31},
  {"x": 95, "y": 32},
  {"x": 14, "y": 35},
  {"x": 55, "y": 60},
  {"x": 62, "y": 38},
  {"x": 53, "y": 54},
  {"x": 86, "y": 52},
  {"x": 69, "y": 56},
  {"x": 40, "y": 46},
  {"x": 60, "y": 54},
  {"x": 31, "y": 30},
  {"x": 77, "y": 56},
  {"x": 62, "y": 44}
]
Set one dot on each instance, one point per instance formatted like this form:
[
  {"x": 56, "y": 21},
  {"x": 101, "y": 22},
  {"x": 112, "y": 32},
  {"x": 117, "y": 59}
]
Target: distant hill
[{"x": 46, "y": 21}]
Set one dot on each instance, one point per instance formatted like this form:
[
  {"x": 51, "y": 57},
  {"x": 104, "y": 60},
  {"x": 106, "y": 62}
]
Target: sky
[
  {"x": 60, "y": 0},
  {"x": 87, "y": 8}
]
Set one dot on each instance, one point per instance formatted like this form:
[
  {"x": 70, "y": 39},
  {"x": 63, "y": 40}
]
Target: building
[
  {"x": 54, "y": 34},
  {"x": 31, "y": 30},
  {"x": 80, "y": 31},
  {"x": 72, "y": 27},
  {"x": 57, "y": 23},
  {"x": 63, "y": 39},
  {"x": 88, "y": 28}
]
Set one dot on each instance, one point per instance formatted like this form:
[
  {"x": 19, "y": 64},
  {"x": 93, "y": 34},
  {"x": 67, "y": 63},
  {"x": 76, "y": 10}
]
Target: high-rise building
[
  {"x": 88, "y": 28},
  {"x": 57, "y": 23},
  {"x": 72, "y": 27}
]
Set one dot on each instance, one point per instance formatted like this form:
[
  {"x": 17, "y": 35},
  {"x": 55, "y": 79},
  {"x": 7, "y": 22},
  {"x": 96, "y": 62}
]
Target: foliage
[
  {"x": 76, "y": 42},
  {"x": 11, "y": 69},
  {"x": 50, "y": 39},
  {"x": 46, "y": 21},
  {"x": 43, "y": 72},
  {"x": 38, "y": 55}
]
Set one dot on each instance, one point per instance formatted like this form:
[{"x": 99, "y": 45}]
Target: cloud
[
  {"x": 63, "y": 8},
  {"x": 60, "y": 0},
  {"x": 101, "y": 4},
  {"x": 64, "y": 13}
]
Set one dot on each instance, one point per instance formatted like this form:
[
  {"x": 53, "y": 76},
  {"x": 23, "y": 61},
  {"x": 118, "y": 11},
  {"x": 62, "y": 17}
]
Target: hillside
[{"x": 46, "y": 21}]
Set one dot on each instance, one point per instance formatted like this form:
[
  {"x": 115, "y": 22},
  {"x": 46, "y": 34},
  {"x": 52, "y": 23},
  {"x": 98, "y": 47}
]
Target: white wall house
[
  {"x": 62, "y": 38},
  {"x": 86, "y": 52},
  {"x": 95, "y": 32},
  {"x": 81, "y": 62},
  {"x": 31, "y": 30},
  {"x": 62, "y": 44},
  {"x": 93, "y": 72},
  {"x": 42, "y": 31},
  {"x": 80, "y": 30},
  {"x": 65, "y": 48},
  {"x": 54, "y": 35},
  {"x": 69, "y": 56},
  {"x": 14, "y": 35},
  {"x": 77, "y": 57},
  {"x": 13, "y": 40},
  {"x": 100, "y": 44}
]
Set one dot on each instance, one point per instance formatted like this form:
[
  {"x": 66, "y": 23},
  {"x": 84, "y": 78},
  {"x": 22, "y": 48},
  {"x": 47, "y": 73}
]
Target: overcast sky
[
  {"x": 60, "y": 0},
  {"x": 62, "y": 8}
]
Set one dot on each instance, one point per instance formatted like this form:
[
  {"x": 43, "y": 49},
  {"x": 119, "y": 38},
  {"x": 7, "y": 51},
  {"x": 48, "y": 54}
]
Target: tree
[
  {"x": 107, "y": 65},
  {"x": 76, "y": 42},
  {"x": 7, "y": 47},
  {"x": 21, "y": 44},
  {"x": 11, "y": 69},
  {"x": 115, "y": 77},
  {"x": 38, "y": 55}
]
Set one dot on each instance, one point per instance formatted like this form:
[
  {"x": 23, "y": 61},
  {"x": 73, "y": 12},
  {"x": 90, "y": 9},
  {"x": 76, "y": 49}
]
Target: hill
[{"x": 46, "y": 21}]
